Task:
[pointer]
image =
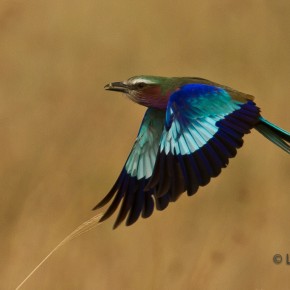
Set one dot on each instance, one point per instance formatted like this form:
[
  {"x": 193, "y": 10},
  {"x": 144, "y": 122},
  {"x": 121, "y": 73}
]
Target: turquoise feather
[{"x": 274, "y": 133}]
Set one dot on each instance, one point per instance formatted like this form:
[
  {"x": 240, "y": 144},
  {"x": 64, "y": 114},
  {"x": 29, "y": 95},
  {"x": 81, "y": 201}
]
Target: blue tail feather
[{"x": 273, "y": 133}]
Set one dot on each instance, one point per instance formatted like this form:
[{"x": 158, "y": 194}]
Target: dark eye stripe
[{"x": 140, "y": 85}]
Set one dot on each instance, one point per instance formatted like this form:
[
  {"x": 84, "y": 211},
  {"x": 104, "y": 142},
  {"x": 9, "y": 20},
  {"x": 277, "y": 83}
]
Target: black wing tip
[
  {"x": 95, "y": 207},
  {"x": 103, "y": 218},
  {"x": 101, "y": 204},
  {"x": 115, "y": 225}
]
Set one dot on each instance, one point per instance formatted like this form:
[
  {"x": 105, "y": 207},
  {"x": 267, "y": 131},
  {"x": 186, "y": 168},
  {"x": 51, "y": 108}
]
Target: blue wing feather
[{"x": 204, "y": 127}]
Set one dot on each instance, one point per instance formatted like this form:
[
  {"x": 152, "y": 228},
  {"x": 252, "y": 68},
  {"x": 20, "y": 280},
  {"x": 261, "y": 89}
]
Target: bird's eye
[{"x": 140, "y": 85}]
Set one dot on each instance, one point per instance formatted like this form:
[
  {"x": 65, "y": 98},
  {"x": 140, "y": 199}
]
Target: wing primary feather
[
  {"x": 181, "y": 177},
  {"x": 228, "y": 144},
  {"x": 234, "y": 133},
  {"x": 137, "y": 204},
  {"x": 157, "y": 171},
  {"x": 200, "y": 151},
  {"x": 230, "y": 124},
  {"x": 112, "y": 208},
  {"x": 180, "y": 181},
  {"x": 162, "y": 201},
  {"x": 164, "y": 181},
  {"x": 245, "y": 112},
  {"x": 211, "y": 156},
  {"x": 149, "y": 204},
  {"x": 111, "y": 193},
  {"x": 220, "y": 149},
  {"x": 243, "y": 117},
  {"x": 229, "y": 135},
  {"x": 213, "y": 159},
  {"x": 203, "y": 167},
  {"x": 194, "y": 168},
  {"x": 129, "y": 191},
  {"x": 184, "y": 171},
  {"x": 201, "y": 161},
  {"x": 193, "y": 182},
  {"x": 239, "y": 125},
  {"x": 173, "y": 177}
]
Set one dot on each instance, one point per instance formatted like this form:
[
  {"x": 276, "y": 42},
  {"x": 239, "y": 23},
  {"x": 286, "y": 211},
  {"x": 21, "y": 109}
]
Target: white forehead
[{"x": 141, "y": 79}]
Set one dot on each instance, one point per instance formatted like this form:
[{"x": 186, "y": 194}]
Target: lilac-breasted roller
[{"x": 190, "y": 130}]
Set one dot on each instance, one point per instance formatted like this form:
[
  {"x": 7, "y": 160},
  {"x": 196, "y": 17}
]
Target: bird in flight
[{"x": 190, "y": 130}]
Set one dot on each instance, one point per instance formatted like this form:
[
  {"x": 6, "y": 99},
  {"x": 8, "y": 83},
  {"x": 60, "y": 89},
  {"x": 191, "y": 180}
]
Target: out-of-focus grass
[{"x": 64, "y": 140}]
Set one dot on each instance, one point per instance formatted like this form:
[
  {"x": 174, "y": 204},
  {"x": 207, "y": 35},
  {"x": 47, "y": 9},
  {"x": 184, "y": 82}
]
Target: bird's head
[{"x": 149, "y": 91}]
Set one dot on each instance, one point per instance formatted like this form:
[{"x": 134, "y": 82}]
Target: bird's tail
[{"x": 275, "y": 134}]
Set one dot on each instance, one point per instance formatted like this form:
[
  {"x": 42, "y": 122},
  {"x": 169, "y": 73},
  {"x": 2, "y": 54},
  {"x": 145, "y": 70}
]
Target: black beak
[{"x": 117, "y": 87}]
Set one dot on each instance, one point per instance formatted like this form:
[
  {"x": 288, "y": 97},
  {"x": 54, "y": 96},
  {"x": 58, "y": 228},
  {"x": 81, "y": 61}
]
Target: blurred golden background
[{"x": 64, "y": 141}]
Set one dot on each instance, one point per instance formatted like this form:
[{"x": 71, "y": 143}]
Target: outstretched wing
[
  {"x": 136, "y": 173},
  {"x": 203, "y": 128},
  {"x": 180, "y": 149}
]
